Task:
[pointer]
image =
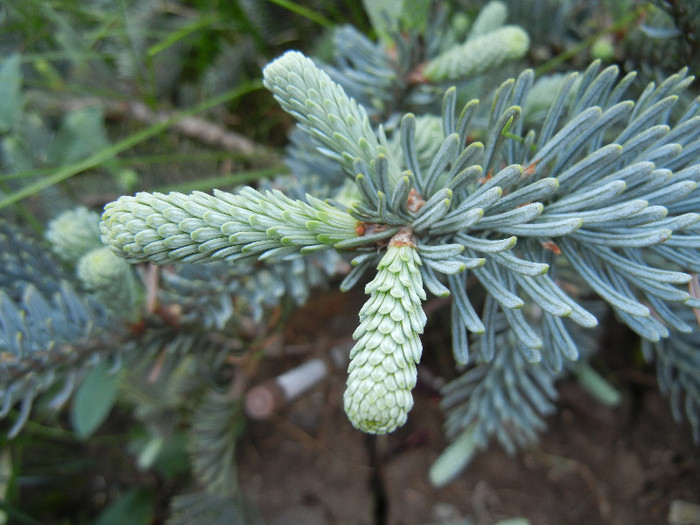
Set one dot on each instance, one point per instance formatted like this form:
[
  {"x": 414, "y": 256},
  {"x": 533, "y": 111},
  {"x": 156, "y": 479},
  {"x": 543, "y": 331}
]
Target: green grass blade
[
  {"x": 101, "y": 156},
  {"x": 304, "y": 11},
  {"x": 224, "y": 181},
  {"x": 178, "y": 35}
]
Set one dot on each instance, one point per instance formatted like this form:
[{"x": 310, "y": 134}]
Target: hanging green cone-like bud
[{"x": 382, "y": 369}]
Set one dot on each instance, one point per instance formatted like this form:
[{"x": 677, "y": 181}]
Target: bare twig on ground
[{"x": 196, "y": 128}]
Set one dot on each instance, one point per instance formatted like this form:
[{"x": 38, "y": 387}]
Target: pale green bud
[
  {"x": 603, "y": 48},
  {"x": 74, "y": 233},
  {"x": 111, "y": 279},
  {"x": 492, "y": 16},
  {"x": 478, "y": 55},
  {"x": 175, "y": 227},
  {"x": 382, "y": 369}
]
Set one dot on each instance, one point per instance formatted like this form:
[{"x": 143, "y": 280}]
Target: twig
[
  {"x": 263, "y": 400},
  {"x": 195, "y": 128}
]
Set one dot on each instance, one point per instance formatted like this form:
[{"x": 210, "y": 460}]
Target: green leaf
[
  {"x": 454, "y": 459},
  {"x": 94, "y": 399},
  {"x": 135, "y": 507},
  {"x": 82, "y": 132},
  {"x": 11, "y": 100},
  {"x": 597, "y": 385}
]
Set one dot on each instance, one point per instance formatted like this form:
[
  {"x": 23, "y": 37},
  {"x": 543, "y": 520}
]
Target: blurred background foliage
[{"x": 104, "y": 97}]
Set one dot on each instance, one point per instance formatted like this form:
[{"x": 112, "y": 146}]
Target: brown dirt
[{"x": 594, "y": 465}]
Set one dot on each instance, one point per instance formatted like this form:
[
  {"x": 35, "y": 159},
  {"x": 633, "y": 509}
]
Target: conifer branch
[{"x": 176, "y": 227}]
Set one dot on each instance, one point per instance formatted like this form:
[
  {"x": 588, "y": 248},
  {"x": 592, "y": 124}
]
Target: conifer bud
[
  {"x": 382, "y": 369},
  {"x": 74, "y": 233},
  {"x": 111, "y": 279},
  {"x": 478, "y": 55},
  {"x": 162, "y": 228}
]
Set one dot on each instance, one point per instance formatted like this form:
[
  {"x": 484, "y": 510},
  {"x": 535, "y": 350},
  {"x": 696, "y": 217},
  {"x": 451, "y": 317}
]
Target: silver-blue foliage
[
  {"x": 50, "y": 333},
  {"x": 535, "y": 201}
]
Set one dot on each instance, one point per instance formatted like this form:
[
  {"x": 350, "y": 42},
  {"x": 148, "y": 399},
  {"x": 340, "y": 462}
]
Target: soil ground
[{"x": 594, "y": 464}]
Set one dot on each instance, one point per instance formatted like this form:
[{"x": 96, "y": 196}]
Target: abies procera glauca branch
[{"x": 516, "y": 208}]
